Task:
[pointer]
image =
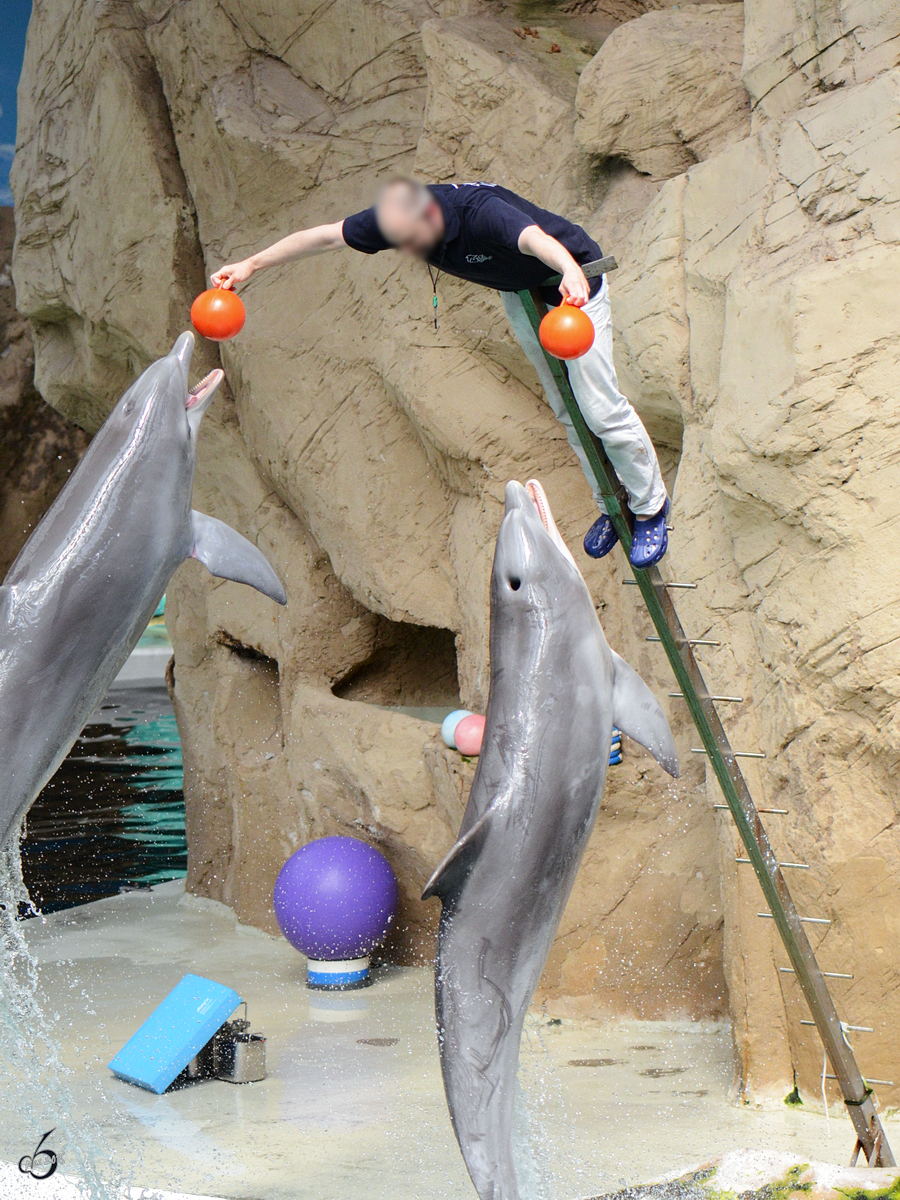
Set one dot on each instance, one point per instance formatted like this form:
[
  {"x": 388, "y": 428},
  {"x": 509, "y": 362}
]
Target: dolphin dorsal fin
[
  {"x": 457, "y": 864},
  {"x": 637, "y": 712},
  {"x": 228, "y": 555}
]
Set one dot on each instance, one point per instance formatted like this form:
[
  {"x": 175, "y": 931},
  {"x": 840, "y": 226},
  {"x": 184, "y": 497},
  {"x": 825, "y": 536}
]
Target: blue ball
[
  {"x": 335, "y": 899},
  {"x": 449, "y": 724}
]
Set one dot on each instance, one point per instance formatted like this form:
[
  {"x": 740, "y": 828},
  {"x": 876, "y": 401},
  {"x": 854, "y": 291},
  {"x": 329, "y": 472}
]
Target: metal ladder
[{"x": 858, "y": 1098}]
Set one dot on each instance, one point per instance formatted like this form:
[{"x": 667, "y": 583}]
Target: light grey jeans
[{"x": 606, "y": 411}]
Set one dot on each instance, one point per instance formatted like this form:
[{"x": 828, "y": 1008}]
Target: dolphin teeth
[
  {"x": 198, "y": 389},
  {"x": 539, "y": 499}
]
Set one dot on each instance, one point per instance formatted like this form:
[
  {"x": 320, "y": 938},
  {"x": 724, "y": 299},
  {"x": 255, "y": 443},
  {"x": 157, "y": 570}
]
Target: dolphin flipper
[
  {"x": 638, "y": 713},
  {"x": 458, "y": 863},
  {"x": 228, "y": 555}
]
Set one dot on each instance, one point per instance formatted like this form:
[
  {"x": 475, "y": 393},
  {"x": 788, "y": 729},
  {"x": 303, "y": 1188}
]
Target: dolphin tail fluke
[
  {"x": 638, "y": 713},
  {"x": 228, "y": 555},
  {"x": 456, "y": 866}
]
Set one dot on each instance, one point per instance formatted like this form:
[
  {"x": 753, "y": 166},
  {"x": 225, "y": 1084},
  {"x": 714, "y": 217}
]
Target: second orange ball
[{"x": 566, "y": 331}]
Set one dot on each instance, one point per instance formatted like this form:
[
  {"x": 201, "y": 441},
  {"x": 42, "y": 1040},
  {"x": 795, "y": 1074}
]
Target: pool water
[{"x": 112, "y": 818}]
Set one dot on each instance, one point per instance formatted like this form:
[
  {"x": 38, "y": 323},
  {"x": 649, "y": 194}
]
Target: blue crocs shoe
[
  {"x": 649, "y": 540},
  {"x": 601, "y": 537}
]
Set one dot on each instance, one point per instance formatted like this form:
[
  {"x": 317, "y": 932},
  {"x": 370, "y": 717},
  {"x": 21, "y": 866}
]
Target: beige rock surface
[
  {"x": 788, "y": 252},
  {"x": 367, "y": 454},
  {"x": 38, "y": 446},
  {"x": 665, "y": 90},
  {"x": 794, "y": 50}
]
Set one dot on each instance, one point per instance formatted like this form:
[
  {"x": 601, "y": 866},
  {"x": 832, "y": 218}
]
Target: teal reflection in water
[
  {"x": 164, "y": 771},
  {"x": 112, "y": 818}
]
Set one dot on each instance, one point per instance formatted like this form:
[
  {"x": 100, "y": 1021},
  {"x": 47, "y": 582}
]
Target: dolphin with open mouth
[
  {"x": 88, "y": 580},
  {"x": 556, "y": 691}
]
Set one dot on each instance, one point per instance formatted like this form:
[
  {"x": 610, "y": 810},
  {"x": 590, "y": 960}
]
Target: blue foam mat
[{"x": 158, "y": 1052}]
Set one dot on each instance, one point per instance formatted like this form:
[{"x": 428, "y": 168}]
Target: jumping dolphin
[
  {"x": 556, "y": 691},
  {"x": 89, "y": 578}
]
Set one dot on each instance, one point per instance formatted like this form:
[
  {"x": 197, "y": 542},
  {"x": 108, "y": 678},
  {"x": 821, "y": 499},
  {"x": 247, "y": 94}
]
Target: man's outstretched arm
[
  {"x": 573, "y": 285},
  {"x": 302, "y": 244}
]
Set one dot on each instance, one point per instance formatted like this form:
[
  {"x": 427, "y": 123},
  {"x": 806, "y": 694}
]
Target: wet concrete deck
[{"x": 353, "y": 1106}]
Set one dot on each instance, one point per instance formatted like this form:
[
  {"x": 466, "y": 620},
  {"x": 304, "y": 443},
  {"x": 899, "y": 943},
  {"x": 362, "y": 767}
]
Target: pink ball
[{"x": 469, "y": 735}]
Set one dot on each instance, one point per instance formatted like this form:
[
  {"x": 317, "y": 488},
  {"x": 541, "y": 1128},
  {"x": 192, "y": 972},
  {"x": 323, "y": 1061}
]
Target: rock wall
[
  {"x": 774, "y": 258},
  {"x": 367, "y": 454},
  {"x": 38, "y": 446}
]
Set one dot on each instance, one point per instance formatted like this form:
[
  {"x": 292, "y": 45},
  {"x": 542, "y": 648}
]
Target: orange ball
[
  {"x": 469, "y": 735},
  {"x": 218, "y": 314},
  {"x": 567, "y": 331}
]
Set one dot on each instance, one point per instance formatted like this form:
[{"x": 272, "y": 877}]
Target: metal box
[{"x": 239, "y": 1056}]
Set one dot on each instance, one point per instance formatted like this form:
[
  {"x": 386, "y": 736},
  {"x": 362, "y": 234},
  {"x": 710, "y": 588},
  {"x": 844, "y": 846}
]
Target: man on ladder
[{"x": 489, "y": 235}]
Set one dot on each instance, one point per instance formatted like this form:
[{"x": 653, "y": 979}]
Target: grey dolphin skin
[
  {"x": 556, "y": 691},
  {"x": 87, "y": 581}
]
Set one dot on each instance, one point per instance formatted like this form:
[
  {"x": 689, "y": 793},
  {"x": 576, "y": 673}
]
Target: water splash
[
  {"x": 544, "y": 1142},
  {"x": 36, "y": 1095}
]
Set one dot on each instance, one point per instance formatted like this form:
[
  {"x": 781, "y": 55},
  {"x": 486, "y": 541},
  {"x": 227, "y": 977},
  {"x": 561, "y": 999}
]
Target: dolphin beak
[
  {"x": 183, "y": 350},
  {"x": 533, "y": 499},
  {"x": 515, "y": 496}
]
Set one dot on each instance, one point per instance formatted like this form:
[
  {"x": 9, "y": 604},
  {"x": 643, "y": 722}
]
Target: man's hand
[
  {"x": 574, "y": 285},
  {"x": 226, "y": 277}
]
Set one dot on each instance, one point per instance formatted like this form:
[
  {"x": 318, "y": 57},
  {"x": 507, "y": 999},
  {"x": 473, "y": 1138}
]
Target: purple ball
[{"x": 335, "y": 898}]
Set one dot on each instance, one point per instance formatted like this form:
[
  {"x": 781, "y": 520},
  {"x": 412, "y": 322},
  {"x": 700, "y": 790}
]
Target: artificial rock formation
[
  {"x": 38, "y": 446},
  {"x": 665, "y": 91},
  {"x": 367, "y": 453}
]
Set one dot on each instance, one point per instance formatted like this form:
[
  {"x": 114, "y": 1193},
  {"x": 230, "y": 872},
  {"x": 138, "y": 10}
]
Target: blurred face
[{"x": 413, "y": 226}]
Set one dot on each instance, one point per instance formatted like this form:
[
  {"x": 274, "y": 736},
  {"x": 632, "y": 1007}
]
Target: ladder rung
[
  {"x": 883, "y": 1082},
  {"x": 799, "y": 866},
  {"x": 735, "y": 753},
  {"x": 634, "y": 583},
  {"x": 807, "y": 920},
  {"x": 827, "y": 974},
  {"x": 720, "y": 699},
  {"x": 849, "y": 1028},
  {"x": 689, "y": 641},
  {"x": 778, "y": 812}
]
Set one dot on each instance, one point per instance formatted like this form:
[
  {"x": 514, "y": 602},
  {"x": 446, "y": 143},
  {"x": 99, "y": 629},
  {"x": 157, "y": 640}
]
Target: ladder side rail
[{"x": 857, "y": 1095}]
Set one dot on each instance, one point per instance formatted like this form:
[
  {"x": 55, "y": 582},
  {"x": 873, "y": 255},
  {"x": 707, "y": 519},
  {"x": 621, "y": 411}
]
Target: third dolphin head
[{"x": 531, "y": 559}]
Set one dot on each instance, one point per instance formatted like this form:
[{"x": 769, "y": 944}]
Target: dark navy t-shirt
[{"x": 482, "y": 227}]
